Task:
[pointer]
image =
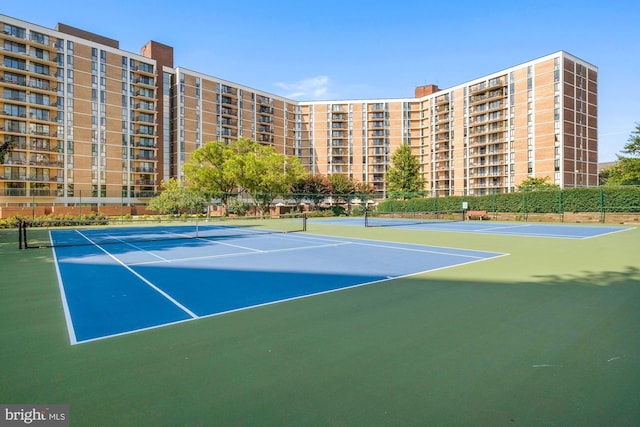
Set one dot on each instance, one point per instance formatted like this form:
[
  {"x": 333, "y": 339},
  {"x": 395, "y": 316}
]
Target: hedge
[{"x": 593, "y": 199}]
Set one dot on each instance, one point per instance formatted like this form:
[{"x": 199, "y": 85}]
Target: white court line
[
  {"x": 336, "y": 242},
  {"x": 63, "y": 295},
  {"x": 422, "y": 250},
  {"x": 244, "y": 253},
  {"x": 138, "y": 248},
  {"x": 502, "y": 227},
  {"x": 357, "y": 241},
  {"x": 611, "y": 232},
  {"x": 317, "y": 238},
  {"x": 215, "y": 242},
  {"x": 386, "y": 279},
  {"x": 160, "y": 291},
  {"x": 248, "y": 248}
]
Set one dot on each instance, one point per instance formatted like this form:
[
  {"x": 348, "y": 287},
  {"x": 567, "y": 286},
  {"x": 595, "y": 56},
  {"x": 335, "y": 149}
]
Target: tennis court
[
  {"x": 562, "y": 231},
  {"x": 128, "y": 285},
  {"x": 465, "y": 323}
]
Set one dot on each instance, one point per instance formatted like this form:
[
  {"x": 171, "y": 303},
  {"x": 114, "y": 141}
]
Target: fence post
[
  {"x": 493, "y": 206},
  {"x": 560, "y": 208}
]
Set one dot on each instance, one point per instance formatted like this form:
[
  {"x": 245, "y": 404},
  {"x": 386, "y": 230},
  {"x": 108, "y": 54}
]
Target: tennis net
[
  {"x": 398, "y": 219},
  {"x": 43, "y": 233}
]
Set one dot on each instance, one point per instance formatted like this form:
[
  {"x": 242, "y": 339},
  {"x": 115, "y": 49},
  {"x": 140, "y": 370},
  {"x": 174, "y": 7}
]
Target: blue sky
[{"x": 353, "y": 49}]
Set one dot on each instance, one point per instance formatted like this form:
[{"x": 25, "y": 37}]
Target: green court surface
[{"x": 548, "y": 335}]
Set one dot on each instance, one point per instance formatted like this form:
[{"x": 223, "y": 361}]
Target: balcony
[
  {"x": 145, "y": 93},
  {"x": 146, "y": 69},
  {"x": 144, "y": 170},
  {"x": 227, "y": 90},
  {"x": 145, "y": 118},
  {"x": 144, "y": 194},
  {"x": 146, "y": 157},
  {"x": 145, "y": 144},
  {"x": 148, "y": 106},
  {"x": 145, "y": 81},
  {"x": 46, "y": 163},
  {"x": 28, "y": 192},
  {"x": 228, "y": 112},
  {"x": 478, "y": 88}
]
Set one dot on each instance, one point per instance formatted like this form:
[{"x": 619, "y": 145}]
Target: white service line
[
  {"x": 245, "y": 253},
  {"x": 139, "y": 276},
  {"x": 216, "y": 242},
  {"x": 504, "y": 227},
  {"x": 421, "y": 250},
  {"x": 138, "y": 248}
]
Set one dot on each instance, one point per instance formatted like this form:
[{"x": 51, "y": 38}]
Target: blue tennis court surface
[
  {"x": 119, "y": 288},
  {"x": 563, "y": 231}
]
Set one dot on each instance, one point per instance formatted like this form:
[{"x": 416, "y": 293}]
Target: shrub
[{"x": 237, "y": 207}]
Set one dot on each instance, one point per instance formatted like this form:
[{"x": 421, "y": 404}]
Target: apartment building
[
  {"x": 537, "y": 119},
  {"x": 93, "y": 124}
]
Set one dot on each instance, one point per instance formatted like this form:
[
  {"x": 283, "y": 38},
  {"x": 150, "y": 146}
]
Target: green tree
[
  {"x": 213, "y": 168},
  {"x": 627, "y": 170},
  {"x": 237, "y": 207},
  {"x": 297, "y": 191},
  {"x": 5, "y": 148},
  {"x": 176, "y": 198},
  {"x": 404, "y": 179},
  {"x": 365, "y": 189},
  {"x": 315, "y": 188},
  {"x": 341, "y": 187},
  {"x": 266, "y": 174},
  {"x": 537, "y": 184}
]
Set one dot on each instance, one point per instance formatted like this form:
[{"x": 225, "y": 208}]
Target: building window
[{"x": 14, "y": 31}]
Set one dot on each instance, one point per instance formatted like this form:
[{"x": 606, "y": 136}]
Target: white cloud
[{"x": 311, "y": 89}]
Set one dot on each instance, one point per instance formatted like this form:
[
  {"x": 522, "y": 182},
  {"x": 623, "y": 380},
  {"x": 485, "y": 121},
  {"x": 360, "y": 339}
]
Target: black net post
[{"x": 20, "y": 234}]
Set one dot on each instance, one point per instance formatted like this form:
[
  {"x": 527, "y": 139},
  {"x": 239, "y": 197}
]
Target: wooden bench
[{"x": 481, "y": 215}]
